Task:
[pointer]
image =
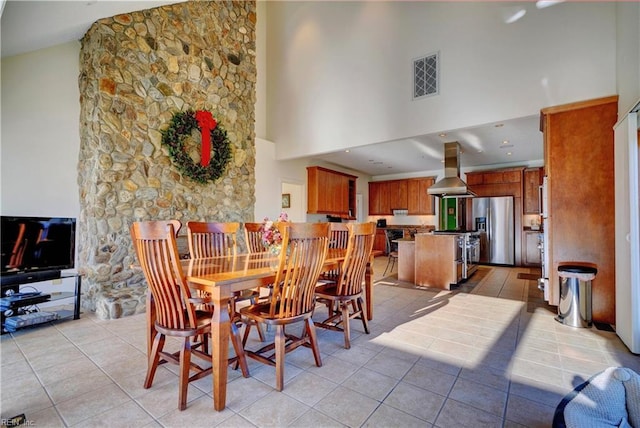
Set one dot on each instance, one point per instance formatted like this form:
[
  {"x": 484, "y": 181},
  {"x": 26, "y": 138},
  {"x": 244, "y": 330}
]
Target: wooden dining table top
[{"x": 216, "y": 271}]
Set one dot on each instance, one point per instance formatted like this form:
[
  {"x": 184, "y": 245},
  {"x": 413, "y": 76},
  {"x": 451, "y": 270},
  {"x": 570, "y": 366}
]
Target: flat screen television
[{"x": 36, "y": 248}]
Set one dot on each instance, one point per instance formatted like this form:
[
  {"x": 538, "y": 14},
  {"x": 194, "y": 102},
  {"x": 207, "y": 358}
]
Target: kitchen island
[
  {"x": 437, "y": 264},
  {"x": 406, "y": 259}
]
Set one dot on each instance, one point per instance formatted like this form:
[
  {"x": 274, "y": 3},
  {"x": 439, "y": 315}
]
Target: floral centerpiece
[{"x": 271, "y": 237}]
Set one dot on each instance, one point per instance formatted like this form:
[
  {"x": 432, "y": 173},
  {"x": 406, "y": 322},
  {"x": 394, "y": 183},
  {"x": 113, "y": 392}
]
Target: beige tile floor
[{"x": 487, "y": 355}]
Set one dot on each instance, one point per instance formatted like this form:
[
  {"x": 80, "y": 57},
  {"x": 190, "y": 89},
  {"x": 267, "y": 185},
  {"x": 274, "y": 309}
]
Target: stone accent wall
[{"x": 136, "y": 71}]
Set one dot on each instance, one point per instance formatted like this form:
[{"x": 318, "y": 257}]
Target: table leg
[
  {"x": 220, "y": 328},
  {"x": 368, "y": 288}
]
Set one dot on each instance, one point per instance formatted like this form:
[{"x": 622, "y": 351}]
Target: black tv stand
[
  {"x": 29, "y": 277},
  {"x": 14, "y": 307}
]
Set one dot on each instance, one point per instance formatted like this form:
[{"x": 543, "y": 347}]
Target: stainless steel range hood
[{"x": 451, "y": 185}]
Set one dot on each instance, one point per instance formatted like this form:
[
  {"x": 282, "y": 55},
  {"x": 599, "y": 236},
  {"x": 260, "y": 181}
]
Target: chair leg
[
  {"x": 185, "y": 364},
  {"x": 247, "y": 330},
  {"x": 258, "y": 325},
  {"x": 280, "y": 341},
  {"x": 385, "y": 269},
  {"x": 260, "y": 331},
  {"x": 345, "y": 324},
  {"x": 154, "y": 359},
  {"x": 239, "y": 348},
  {"x": 363, "y": 315},
  {"x": 313, "y": 340}
]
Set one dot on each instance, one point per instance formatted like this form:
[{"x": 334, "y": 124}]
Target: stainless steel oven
[{"x": 471, "y": 254}]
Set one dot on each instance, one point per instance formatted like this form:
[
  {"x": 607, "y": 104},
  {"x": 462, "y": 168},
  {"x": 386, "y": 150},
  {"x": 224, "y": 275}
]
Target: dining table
[{"x": 221, "y": 277}]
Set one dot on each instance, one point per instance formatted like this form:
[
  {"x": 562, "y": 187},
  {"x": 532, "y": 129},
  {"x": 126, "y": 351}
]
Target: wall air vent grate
[{"x": 426, "y": 76}]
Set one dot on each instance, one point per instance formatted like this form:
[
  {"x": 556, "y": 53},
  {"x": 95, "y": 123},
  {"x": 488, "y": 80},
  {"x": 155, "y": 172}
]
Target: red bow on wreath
[{"x": 207, "y": 124}]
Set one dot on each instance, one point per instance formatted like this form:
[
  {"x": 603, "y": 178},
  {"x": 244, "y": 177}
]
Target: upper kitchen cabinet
[
  {"x": 398, "y": 194},
  {"x": 379, "y": 203},
  {"x": 531, "y": 182},
  {"x": 408, "y": 194},
  {"x": 502, "y": 182},
  {"x": 418, "y": 200},
  {"x": 331, "y": 192},
  {"x": 386, "y": 196},
  {"x": 579, "y": 164}
]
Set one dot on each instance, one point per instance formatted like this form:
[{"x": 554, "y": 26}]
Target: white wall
[
  {"x": 628, "y": 56},
  {"x": 40, "y": 135},
  {"x": 340, "y": 72}
]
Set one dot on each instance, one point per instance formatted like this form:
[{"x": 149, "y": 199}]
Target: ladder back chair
[
  {"x": 338, "y": 238},
  {"x": 253, "y": 237},
  {"x": 304, "y": 250},
  {"x": 347, "y": 290},
  {"x": 253, "y": 241},
  {"x": 174, "y": 308},
  {"x": 210, "y": 239}
]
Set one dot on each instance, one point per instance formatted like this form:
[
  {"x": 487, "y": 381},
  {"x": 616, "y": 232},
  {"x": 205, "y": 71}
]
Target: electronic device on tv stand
[{"x": 36, "y": 249}]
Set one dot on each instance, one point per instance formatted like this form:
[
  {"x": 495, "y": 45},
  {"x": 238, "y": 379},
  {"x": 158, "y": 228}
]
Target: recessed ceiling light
[
  {"x": 443, "y": 134},
  {"x": 347, "y": 151},
  {"x": 541, "y": 4},
  {"x": 508, "y": 153},
  {"x": 512, "y": 14},
  {"x": 505, "y": 142},
  {"x": 480, "y": 151}
]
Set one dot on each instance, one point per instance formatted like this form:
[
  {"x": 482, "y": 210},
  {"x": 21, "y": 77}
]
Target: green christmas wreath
[{"x": 214, "y": 139}]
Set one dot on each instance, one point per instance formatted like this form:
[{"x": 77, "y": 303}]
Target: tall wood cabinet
[
  {"x": 331, "y": 192},
  {"x": 579, "y": 163}
]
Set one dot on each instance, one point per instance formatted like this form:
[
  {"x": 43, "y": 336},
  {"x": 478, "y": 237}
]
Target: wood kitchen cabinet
[
  {"x": 531, "y": 182},
  {"x": 409, "y": 194},
  {"x": 531, "y": 251},
  {"x": 379, "y": 198},
  {"x": 510, "y": 175},
  {"x": 397, "y": 194},
  {"x": 331, "y": 192},
  {"x": 419, "y": 202},
  {"x": 579, "y": 164}
]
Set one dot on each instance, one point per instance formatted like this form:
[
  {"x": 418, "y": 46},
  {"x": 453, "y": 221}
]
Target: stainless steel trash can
[{"x": 574, "y": 308}]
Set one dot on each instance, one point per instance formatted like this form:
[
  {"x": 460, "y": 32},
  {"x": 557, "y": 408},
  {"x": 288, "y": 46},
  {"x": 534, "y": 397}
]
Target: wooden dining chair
[
  {"x": 339, "y": 235},
  {"x": 338, "y": 238},
  {"x": 174, "y": 308},
  {"x": 210, "y": 239},
  {"x": 253, "y": 237},
  {"x": 347, "y": 291},
  {"x": 304, "y": 250},
  {"x": 253, "y": 241}
]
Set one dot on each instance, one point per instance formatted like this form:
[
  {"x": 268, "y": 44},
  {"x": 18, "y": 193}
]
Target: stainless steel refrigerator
[{"x": 494, "y": 220}]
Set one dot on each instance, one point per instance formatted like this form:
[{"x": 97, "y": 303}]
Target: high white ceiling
[
  {"x": 516, "y": 141},
  {"x": 31, "y": 25}
]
